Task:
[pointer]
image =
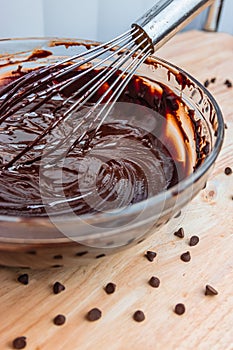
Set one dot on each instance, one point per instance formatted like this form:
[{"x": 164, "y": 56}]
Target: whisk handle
[{"x": 167, "y": 17}]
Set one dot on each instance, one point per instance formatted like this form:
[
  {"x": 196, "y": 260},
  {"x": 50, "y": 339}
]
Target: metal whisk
[{"x": 130, "y": 50}]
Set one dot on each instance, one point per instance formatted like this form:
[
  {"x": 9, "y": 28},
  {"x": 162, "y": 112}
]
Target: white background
[{"x": 88, "y": 19}]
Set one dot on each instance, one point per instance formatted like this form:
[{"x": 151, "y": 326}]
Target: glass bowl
[{"x": 41, "y": 242}]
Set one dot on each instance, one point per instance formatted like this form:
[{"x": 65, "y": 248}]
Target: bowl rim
[{"x": 178, "y": 188}]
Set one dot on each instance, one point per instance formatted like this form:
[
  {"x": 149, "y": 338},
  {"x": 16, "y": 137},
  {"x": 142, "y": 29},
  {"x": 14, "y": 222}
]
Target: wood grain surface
[{"x": 28, "y": 310}]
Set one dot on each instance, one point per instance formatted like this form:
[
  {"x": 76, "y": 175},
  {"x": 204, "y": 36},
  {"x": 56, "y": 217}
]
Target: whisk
[{"x": 129, "y": 51}]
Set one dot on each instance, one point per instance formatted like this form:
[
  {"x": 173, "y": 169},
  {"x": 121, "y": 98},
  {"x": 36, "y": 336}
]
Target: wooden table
[{"x": 208, "y": 321}]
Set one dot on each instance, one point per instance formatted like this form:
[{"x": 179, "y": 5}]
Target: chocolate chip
[
  {"x": 150, "y": 255},
  {"x": 139, "y": 316},
  {"x": 58, "y": 257},
  {"x": 59, "y": 320},
  {"x": 110, "y": 288},
  {"x": 225, "y": 126},
  {"x": 31, "y": 252},
  {"x": 179, "y": 309},
  {"x": 228, "y": 83},
  {"x": 24, "y": 279},
  {"x": 213, "y": 80},
  {"x": 58, "y": 288},
  {"x": 228, "y": 170},
  {"x": 209, "y": 290},
  {"x": 100, "y": 256},
  {"x": 94, "y": 314},
  {"x": 206, "y": 148},
  {"x": 179, "y": 233},
  {"x": 19, "y": 343},
  {"x": 154, "y": 282},
  {"x": 56, "y": 266},
  {"x": 206, "y": 83},
  {"x": 186, "y": 257},
  {"x": 194, "y": 240},
  {"x": 81, "y": 253}
]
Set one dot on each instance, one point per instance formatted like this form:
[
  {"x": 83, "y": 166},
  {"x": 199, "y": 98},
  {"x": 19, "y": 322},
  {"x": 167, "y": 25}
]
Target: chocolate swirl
[{"x": 124, "y": 163}]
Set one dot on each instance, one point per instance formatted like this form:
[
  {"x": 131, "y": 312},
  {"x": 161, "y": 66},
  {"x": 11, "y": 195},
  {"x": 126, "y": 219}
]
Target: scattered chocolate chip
[
  {"x": 58, "y": 288},
  {"x": 139, "y": 316},
  {"x": 228, "y": 83},
  {"x": 225, "y": 125},
  {"x": 171, "y": 102},
  {"x": 177, "y": 215},
  {"x": 206, "y": 83},
  {"x": 58, "y": 257},
  {"x": 56, "y": 266},
  {"x": 186, "y": 257},
  {"x": 209, "y": 290},
  {"x": 179, "y": 309},
  {"x": 31, "y": 252},
  {"x": 110, "y": 288},
  {"x": 179, "y": 233},
  {"x": 24, "y": 279},
  {"x": 59, "y": 320},
  {"x": 228, "y": 170},
  {"x": 194, "y": 240},
  {"x": 213, "y": 80},
  {"x": 19, "y": 343},
  {"x": 94, "y": 314},
  {"x": 81, "y": 253},
  {"x": 150, "y": 255},
  {"x": 154, "y": 282},
  {"x": 100, "y": 256}
]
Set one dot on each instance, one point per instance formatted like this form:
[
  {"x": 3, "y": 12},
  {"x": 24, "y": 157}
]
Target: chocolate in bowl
[{"x": 152, "y": 156}]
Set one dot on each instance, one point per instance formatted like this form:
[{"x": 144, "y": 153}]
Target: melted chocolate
[{"x": 131, "y": 157}]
